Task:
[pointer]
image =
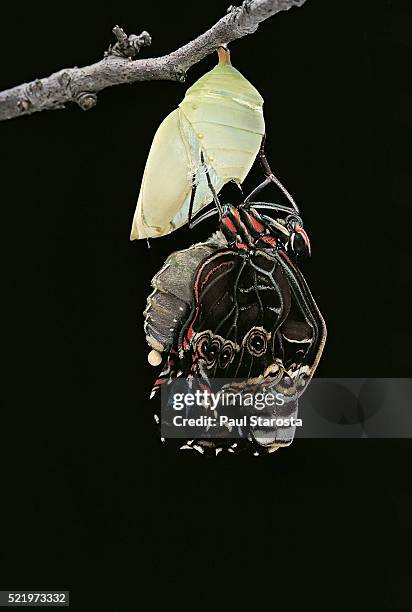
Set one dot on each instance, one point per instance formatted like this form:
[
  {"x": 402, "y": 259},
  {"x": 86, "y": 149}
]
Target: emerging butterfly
[{"x": 236, "y": 307}]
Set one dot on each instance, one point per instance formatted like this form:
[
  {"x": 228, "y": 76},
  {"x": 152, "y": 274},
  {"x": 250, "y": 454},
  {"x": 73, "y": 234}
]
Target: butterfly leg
[
  {"x": 270, "y": 178},
  {"x": 192, "y": 201},
  {"x": 212, "y": 189}
]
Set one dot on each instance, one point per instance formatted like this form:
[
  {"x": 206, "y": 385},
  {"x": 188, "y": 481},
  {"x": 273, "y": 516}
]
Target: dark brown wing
[{"x": 253, "y": 316}]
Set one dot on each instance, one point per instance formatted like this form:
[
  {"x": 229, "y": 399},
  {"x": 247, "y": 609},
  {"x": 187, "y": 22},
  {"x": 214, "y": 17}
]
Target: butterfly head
[{"x": 299, "y": 240}]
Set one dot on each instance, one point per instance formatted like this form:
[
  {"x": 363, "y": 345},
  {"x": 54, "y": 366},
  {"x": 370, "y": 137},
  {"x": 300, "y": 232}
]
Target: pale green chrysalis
[{"x": 220, "y": 117}]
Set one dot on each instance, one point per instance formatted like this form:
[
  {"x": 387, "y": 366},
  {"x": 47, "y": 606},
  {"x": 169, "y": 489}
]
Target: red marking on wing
[
  {"x": 188, "y": 337},
  {"x": 211, "y": 272},
  {"x": 257, "y": 225},
  {"x": 229, "y": 224},
  {"x": 189, "y": 333},
  {"x": 160, "y": 381},
  {"x": 242, "y": 246},
  {"x": 289, "y": 261},
  {"x": 301, "y": 231},
  {"x": 269, "y": 240}
]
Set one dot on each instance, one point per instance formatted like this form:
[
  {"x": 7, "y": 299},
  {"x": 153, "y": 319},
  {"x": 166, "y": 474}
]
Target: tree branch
[{"x": 80, "y": 85}]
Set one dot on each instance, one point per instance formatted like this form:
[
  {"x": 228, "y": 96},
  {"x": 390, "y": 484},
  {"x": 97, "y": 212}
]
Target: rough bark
[{"x": 80, "y": 85}]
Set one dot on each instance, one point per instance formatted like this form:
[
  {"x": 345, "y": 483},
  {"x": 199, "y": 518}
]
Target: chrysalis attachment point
[
  {"x": 154, "y": 358},
  {"x": 224, "y": 55}
]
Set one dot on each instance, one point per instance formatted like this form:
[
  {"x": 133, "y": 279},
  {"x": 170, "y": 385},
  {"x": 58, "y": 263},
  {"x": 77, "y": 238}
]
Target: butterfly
[{"x": 236, "y": 309}]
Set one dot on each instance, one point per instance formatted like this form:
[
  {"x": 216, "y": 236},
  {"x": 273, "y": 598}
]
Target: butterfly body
[{"x": 251, "y": 322}]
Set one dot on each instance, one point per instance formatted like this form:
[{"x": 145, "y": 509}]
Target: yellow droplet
[
  {"x": 200, "y": 136},
  {"x": 211, "y": 158},
  {"x": 194, "y": 106},
  {"x": 154, "y": 358}
]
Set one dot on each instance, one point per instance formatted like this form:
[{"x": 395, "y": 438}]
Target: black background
[{"x": 89, "y": 496}]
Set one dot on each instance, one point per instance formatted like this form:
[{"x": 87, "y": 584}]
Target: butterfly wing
[
  {"x": 253, "y": 317},
  {"x": 247, "y": 323}
]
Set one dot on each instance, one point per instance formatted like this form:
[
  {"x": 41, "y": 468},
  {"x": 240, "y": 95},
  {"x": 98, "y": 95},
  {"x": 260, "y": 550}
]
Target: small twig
[
  {"x": 128, "y": 46},
  {"x": 81, "y": 85}
]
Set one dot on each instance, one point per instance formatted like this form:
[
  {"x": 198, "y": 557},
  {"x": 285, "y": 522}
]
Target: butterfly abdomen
[{"x": 170, "y": 302}]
